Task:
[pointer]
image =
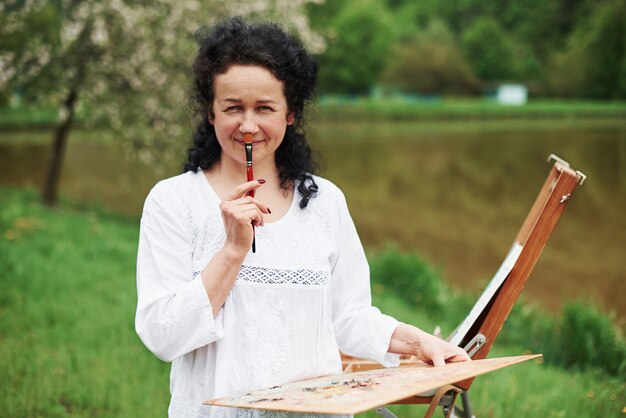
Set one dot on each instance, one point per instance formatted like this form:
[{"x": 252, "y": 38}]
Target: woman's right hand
[{"x": 240, "y": 212}]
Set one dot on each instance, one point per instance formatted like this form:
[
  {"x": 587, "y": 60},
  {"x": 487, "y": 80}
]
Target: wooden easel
[{"x": 479, "y": 331}]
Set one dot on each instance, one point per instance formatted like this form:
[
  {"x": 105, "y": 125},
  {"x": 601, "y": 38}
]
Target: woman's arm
[
  {"x": 362, "y": 330},
  {"x": 176, "y": 314},
  {"x": 239, "y": 212},
  {"x": 407, "y": 339}
]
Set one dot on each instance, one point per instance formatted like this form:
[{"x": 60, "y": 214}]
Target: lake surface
[{"x": 457, "y": 192}]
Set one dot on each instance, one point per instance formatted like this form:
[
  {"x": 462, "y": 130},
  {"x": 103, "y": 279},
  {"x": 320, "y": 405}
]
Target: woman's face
[{"x": 248, "y": 99}]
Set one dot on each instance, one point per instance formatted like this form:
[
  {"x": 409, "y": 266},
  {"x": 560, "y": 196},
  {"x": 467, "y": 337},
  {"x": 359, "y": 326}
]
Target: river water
[{"x": 457, "y": 192}]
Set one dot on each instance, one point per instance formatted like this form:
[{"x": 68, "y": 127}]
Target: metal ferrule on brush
[{"x": 248, "y": 154}]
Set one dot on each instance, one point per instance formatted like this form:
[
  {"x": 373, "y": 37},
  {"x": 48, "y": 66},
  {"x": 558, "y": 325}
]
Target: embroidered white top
[{"x": 303, "y": 296}]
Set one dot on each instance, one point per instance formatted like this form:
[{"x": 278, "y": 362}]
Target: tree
[
  {"x": 593, "y": 64},
  {"x": 125, "y": 60},
  {"x": 488, "y": 50},
  {"x": 429, "y": 62},
  {"x": 357, "y": 46}
]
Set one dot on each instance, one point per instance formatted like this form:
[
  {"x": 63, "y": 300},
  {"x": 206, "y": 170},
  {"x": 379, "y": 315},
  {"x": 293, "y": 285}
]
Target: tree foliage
[
  {"x": 429, "y": 62},
  {"x": 489, "y": 50},
  {"x": 593, "y": 64},
  {"x": 543, "y": 43},
  {"x": 357, "y": 48}
]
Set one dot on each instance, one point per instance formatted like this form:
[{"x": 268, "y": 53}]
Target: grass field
[
  {"x": 367, "y": 109},
  {"x": 343, "y": 108},
  {"x": 68, "y": 346}
]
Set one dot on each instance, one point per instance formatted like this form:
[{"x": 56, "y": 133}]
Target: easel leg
[
  {"x": 466, "y": 412},
  {"x": 448, "y": 390},
  {"x": 384, "y": 412}
]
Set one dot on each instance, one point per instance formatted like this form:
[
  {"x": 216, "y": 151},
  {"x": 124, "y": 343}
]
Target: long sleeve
[
  {"x": 174, "y": 315},
  {"x": 361, "y": 329}
]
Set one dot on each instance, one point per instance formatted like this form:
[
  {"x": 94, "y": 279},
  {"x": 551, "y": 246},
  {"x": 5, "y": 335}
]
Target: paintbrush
[{"x": 247, "y": 139}]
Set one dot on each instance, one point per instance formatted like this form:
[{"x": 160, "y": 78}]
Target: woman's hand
[
  {"x": 408, "y": 339},
  {"x": 240, "y": 213}
]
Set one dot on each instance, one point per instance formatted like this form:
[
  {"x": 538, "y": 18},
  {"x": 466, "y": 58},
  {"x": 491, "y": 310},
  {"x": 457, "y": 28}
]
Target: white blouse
[{"x": 300, "y": 299}]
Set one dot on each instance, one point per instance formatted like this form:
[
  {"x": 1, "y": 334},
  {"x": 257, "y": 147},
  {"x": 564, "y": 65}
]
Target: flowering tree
[{"x": 126, "y": 61}]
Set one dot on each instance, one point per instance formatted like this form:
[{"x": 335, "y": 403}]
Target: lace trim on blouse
[{"x": 265, "y": 275}]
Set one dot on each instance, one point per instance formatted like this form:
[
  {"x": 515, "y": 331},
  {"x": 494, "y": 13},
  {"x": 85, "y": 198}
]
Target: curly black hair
[{"x": 234, "y": 41}]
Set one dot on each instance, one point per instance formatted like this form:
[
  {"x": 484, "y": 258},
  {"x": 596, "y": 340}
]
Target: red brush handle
[{"x": 250, "y": 174}]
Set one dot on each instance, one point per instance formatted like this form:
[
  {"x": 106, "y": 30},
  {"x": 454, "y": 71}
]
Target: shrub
[
  {"x": 410, "y": 277},
  {"x": 585, "y": 337}
]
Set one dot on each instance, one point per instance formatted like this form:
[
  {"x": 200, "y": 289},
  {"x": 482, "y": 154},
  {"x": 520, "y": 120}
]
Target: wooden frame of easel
[{"x": 532, "y": 237}]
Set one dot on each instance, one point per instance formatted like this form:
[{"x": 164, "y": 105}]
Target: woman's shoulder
[
  {"x": 173, "y": 185},
  {"x": 325, "y": 186},
  {"x": 327, "y": 192},
  {"x": 173, "y": 189}
]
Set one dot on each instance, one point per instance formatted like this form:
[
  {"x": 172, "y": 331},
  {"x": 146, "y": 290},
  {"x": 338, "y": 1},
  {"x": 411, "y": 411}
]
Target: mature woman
[{"x": 229, "y": 319}]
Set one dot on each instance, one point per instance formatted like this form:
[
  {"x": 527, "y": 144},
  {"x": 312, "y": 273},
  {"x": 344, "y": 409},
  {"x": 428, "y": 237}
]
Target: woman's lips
[{"x": 253, "y": 142}]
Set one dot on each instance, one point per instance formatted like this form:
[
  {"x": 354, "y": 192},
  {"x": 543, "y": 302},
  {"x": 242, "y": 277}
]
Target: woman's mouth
[{"x": 241, "y": 142}]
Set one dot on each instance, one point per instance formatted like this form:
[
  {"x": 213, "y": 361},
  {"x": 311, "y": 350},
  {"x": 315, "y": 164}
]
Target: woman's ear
[
  {"x": 291, "y": 118},
  {"x": 211, "y": 117}
]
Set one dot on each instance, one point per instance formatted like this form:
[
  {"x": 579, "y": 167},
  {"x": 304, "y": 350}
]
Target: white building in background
[{"x": 512, "y": 94}]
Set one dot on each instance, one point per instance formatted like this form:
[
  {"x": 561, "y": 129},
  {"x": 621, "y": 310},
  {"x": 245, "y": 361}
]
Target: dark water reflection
[{"x": 455, "y": 191}]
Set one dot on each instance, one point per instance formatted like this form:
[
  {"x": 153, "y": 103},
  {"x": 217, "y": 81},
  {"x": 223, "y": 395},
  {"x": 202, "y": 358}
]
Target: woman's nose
[{"x": 248, "y": 123}]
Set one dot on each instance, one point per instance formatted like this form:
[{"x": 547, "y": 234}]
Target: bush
[
  {"x": 580, "y": 338},
  {"x": 410, "y": 277},
  {"x": 585, "y": 337}
]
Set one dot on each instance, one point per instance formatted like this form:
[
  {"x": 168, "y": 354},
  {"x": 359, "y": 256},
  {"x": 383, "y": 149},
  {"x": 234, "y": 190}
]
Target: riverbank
[
  {"x": 68, "y": 346},
  {"x": 403, "y": 109},
  {"x": 346, "y": 108}
]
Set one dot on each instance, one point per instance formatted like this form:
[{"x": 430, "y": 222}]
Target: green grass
[
  {"x": 22, "y": 117},
  {"x": 68, "y": 346},
  {"x": 341, "y": 108},
  {"x": 67, "y": 296},
  {"x": 368, "y": 109}
]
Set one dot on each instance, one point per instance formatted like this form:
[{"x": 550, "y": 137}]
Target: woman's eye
[
  {"x": 231, "y": 109},
  {"x": 265, "y": 109}
]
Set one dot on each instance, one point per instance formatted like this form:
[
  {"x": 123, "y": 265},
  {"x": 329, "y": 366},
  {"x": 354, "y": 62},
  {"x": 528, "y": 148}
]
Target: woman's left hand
[{"x": 408, "y": 339}]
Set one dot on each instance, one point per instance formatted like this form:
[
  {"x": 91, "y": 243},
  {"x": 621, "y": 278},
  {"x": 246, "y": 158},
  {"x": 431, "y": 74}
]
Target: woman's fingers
[
  {"x": 456, "y": 356},
  {"x": 240, "y": 211},
  {"x": 246, "y": 200},
  {"x": 438, "y": 352},
  {"x": 438, "y": 360},
  {"x": 245, "y": 213},
  {"x": 254, "y": 215},
  {"x": 245, "y": 188}
]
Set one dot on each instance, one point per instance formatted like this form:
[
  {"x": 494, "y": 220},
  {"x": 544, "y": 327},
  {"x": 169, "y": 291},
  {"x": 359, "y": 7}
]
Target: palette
[{"x": 352, "y": 393}]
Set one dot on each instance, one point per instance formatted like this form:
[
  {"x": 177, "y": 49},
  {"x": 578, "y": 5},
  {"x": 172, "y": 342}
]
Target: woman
[{"x": 229, "y": 319}]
